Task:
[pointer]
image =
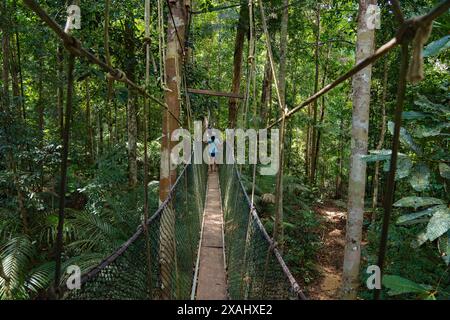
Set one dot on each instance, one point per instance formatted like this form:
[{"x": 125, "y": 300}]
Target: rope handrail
[
  {"x": 74, "y": 46},
  {"x": 406, "y": 32},
  {"x": 119, "y": 251},
  {"x": 295, "y": 286}
]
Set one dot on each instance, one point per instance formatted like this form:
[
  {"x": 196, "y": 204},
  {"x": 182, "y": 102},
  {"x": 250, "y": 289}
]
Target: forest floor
[{"x": 330, "y": 256}]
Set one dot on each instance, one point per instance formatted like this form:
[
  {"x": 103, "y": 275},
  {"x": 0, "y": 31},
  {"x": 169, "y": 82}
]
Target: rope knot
[
  {"x": 118, "y": 75},
  {"x": 421, "y": 36},
  {"x": 417, "y": 32},
  {"x": 73, "y": 45}
]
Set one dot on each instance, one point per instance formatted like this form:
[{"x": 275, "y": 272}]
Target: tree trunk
[
  {"x": 110, "y": 82},
  {"x": 5, "y": 70},
  {"x": 338, "y": 191},
  {"x": 18, "y": 63},
  {"x": 60, "y": 87},
  {"x": 314, "y": 133},
  {"x": 357, "y": 177},
  {"x": 322, "y": 114},
  {"x": 64, "y": 165},
  {"x": 168, "y": 173},
  {"x": 90, "y": 136},
  {"x": 376, "y": 176},
  {"x": 266, "y": 93},
  {"x": 278, "y": 226},
  {"x": 241, "y": 32},
  {"x": 130, "y": 63}
]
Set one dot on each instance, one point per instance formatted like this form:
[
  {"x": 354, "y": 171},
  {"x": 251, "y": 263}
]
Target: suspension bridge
[{"x": 206, "y": 240}]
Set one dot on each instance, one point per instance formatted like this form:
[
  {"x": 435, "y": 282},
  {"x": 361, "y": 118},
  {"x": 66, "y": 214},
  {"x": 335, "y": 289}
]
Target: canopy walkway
[
  {"x": 254, "y": 266},
  {"x": 194, "y": 249}
]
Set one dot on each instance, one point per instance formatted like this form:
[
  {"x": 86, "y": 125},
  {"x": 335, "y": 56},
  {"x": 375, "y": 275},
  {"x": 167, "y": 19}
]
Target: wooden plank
[
  {"x": 215, "y": 93},
  {"x": 212, "y": 278}
]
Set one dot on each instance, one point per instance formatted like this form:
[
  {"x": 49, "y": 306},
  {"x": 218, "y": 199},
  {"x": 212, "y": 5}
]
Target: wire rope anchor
[
  {"x": 73, "y": 45},
  {"x": 117, "y": 75}
]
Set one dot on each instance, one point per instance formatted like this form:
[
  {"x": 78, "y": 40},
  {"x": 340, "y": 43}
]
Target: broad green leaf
[
  {"x": 439, "y": 224},
  {"x": 420, "y": 177},
  {"x": 430, "y": 131},
  {"x": 444, "y": 170},
  {"x": 414, "y": 215},
  {"x": 444, "y": 247},
  {"x": 437, "y": 46},
  {"x": 399, "y": 285},
  {"x": 405, "y": 138},
  {"x": 417, "y": 202},
  {"x": 427, "y": 105},
  {"x": 414, "y": 115},
  {"x": 404, "y": 166},
  {"x": 379, "y": 155}
]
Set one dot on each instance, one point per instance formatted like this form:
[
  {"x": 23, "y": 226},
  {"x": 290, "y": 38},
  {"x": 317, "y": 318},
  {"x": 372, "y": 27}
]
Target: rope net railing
[
  {"x": 255, "y": 268},
  {"x": 157, "y": 262}
]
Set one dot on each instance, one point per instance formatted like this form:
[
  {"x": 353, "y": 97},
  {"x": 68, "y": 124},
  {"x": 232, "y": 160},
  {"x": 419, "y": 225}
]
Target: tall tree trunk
[
  {"x": 110, "y": 82},
  {"x": 173, "y": 64},
  {"x": 241, "y": 32},
  {"x": 313, "y": 134},
  {"x": 357, "y": 177},
  {"x": 322, "y": 114},
  {"x": 279, "y": 236},
  {"x": 60, "y": 87},
  {"x": 90, "y": 136},
  {"x": 18, "y": 63},
  {"x": 338, "y": 191},
  {"x": 63, "y": 180},
  {"x": 5, "y": 68},
  {"x": 266, "y": 93},
  {"x": 130, "y": 63},
  {"x": 376, "y": 177},
  {"x": 168, "y": 173}
]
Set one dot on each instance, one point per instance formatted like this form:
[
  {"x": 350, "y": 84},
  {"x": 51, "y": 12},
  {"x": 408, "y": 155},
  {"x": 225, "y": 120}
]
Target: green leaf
[
  {"x": 404, "y": 166},
  {"x": 414, "y": 215},
  {"x": 378, "y": 155},
  {"x": 444, "y": 170},
  {"x": 430, "y": 131},
  {"x": 439, "y": 224},
  {"x": 414, "y": 115},
  {"x": 427, "y": 105},
  {"x": 444, "y": 247},
  {"x": 405, "y": 138},
  {"x": 399, "y": 285},
  {"x": 437, "y": 46},
  {"x": 420, "y": 177},
  {"x": 417, "y": 202}
]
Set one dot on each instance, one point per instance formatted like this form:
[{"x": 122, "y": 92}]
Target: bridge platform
[{"x": 212, "y": 280}]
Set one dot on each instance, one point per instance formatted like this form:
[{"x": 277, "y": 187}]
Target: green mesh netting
[
  {"x": 255, "y": 268},
  {"x": 168, "y": 248}
]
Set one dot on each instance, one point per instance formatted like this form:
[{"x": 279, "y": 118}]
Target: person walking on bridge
[{"x": 212, "y": 150}]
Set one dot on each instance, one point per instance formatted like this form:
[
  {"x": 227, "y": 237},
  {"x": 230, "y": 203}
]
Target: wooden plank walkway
[{"x": 212, "y": 281}]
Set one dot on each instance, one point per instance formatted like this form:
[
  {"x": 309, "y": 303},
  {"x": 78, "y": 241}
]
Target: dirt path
[
  {"x": 212, "y": 284},
  {"x": 331, "y": 255}
]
